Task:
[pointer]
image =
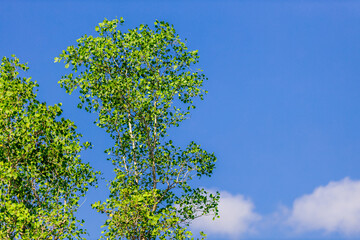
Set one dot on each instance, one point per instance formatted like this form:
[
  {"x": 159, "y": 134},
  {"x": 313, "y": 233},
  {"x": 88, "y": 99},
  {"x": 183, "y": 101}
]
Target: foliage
[
  {"x": 41, "y": 174},
  {"x": 141, "y": 83}
]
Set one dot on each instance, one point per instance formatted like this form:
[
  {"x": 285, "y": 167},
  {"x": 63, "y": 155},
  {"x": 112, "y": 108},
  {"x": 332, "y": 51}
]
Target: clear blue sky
[{"x": 283, "y": 110}]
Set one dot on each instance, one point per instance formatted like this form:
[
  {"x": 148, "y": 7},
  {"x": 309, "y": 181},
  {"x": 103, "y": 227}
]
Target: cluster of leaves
[
  {"x": 141, "y": 83},
  {"x": 41, "y": 174}
]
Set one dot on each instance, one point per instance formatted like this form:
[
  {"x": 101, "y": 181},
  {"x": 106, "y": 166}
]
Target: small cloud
[
  {"x": 236, "y": 217},
  {"x": 334, "y": 208}
]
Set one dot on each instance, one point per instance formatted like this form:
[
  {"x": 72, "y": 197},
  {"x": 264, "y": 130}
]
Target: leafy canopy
[
  {"x": 41, "y": 175},
  {"x": 141, "y": 83}
]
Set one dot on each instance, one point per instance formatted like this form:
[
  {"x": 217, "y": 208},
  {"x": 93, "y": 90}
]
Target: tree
[
  {"x": 41, "y": 174},
  {"x": 140, "y": 83}
]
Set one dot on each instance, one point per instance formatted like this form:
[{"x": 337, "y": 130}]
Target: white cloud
[
  {"x": 236, "y": 217},
  {"x": 334, "y": 208}
]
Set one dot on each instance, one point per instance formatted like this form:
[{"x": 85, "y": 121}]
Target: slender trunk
[{"x": 133, "y": 147}]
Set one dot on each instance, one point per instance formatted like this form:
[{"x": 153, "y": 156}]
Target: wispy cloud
[
  {"x": 237, "y": 217},
  {"x": 334, "y": 208}
]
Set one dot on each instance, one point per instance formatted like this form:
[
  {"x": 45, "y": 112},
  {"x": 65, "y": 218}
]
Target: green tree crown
[
  {"x": 141, "y": 83},
  {"x": 41, "y": 174}
]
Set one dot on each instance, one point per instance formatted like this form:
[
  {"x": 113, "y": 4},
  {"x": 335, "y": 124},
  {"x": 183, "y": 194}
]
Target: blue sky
[{"x": 282, "y": 114}]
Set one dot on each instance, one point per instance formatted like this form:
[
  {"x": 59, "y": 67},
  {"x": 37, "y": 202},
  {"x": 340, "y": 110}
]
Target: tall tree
[
  {"x": 41, "y": 174},
  {"x": 141, "y": 83}
]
